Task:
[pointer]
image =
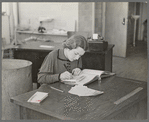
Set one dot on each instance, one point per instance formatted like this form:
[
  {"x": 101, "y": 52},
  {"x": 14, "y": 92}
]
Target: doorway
[
  {"x": 137, "y": 8},
  {"x": 119, "y": 26},
  {"x": 128, "y": 61}
]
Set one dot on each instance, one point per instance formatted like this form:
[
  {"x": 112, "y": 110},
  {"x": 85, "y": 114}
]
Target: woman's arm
[
  {"x": 46, "y": 72},
  {"x": 48, "y": 78}
]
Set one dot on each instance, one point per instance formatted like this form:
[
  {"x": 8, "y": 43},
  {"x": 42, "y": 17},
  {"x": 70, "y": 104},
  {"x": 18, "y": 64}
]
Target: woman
[{"x": 61, "y": 64}]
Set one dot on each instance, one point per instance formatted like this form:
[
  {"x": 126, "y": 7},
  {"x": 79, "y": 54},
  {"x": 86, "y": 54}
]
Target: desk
[
  {"x": 65, "y": 106},
  {"x": 33, "y": 52}
]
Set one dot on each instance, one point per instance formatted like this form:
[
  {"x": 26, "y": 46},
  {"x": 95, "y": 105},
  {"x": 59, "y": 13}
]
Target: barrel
[{"x": 16, "y": 80}]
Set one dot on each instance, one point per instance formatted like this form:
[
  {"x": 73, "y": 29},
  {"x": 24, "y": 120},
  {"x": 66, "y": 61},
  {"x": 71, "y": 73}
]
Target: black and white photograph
[{"x": 74, "y": 60}]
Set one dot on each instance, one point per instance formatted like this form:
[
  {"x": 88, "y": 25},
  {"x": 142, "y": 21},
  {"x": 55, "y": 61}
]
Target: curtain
[{"x": 11, "y": 10}]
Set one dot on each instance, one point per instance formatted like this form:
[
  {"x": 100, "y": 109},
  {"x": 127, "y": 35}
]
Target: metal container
[{"x": 16, "y": 80}]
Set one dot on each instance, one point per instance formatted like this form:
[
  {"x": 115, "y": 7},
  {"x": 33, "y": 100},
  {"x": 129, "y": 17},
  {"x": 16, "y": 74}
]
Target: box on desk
[{"x": 97, "y": 45}]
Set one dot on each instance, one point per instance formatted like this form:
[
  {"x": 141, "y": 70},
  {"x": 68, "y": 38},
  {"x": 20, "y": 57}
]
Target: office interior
[{"x": 122, "y": 24}]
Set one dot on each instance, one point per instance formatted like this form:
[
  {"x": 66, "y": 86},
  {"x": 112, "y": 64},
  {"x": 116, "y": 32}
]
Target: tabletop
[
  {"x": 66, "y": 106},
  {"x": 46, "y": 46}
]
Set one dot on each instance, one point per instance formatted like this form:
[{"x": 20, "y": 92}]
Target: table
[
  {"x": 33, "y": 52},
  {"x": 56, "y": 37},
  {"x": 65, "y": 106}
]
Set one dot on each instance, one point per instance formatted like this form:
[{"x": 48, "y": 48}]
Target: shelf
[{"x": 35, "y": 32}]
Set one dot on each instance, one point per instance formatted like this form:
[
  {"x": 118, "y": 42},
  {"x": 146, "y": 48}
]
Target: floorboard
[{"x": 134, "y": 66}]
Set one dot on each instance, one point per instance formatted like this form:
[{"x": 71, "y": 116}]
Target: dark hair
[{"x": 75, "y": 41}]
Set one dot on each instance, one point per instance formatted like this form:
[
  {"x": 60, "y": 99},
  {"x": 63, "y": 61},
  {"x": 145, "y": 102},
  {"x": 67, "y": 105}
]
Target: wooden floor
[{"x": 134, "y": 66}]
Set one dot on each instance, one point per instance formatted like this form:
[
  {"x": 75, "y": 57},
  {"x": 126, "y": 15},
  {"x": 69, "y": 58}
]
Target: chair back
[{"x": 83, "y": 33}]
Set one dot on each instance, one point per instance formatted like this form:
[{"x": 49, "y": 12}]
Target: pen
[{"x": 56, "y": 89}]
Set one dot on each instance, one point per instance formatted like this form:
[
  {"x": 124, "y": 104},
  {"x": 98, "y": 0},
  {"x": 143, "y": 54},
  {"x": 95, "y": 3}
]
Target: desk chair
[{"x": 83, "y": 33}]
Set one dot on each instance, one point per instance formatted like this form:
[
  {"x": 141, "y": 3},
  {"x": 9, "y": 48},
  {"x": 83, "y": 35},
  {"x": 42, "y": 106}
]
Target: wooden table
[
  {"x": 65, "y": 106},
  {"x": 56, "y": 37},
  {"x": 33, "y": 52}
]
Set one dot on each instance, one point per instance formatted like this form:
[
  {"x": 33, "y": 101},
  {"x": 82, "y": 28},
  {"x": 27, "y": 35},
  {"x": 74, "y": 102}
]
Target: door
[{"x": 116, "y": 14}]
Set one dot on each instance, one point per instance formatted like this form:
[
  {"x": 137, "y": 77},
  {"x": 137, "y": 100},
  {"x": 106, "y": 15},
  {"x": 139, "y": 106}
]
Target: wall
[
  {"x": 138, "y": 8},
  {"x": 141, "y": 9},
  {"x": 130, "y": 29},
  {"x": 85, "y": 20},
  {"x": 115, "y": 31},
  {"x": 98, "y": 17},
  {"x": 5, "y": 29},
  {"x": 143, "y": 14},
  {"x": 64, "y": 14}
]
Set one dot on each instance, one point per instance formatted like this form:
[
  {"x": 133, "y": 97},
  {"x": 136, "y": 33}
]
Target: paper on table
[
  {"x": 81, "y": 90},
  {"x": 46, "y": 46}
]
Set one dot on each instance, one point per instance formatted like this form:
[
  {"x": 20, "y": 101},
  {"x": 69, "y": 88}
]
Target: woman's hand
[
  {"x": 65, "y": 76},
  {"x": 76, "y": 71}
]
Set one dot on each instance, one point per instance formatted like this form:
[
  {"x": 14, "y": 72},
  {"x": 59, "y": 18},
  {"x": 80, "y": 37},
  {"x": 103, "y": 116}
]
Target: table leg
[{"x": 23, "y": 113}]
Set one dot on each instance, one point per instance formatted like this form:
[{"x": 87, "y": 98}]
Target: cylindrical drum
[{"x": 16, "y": 80}]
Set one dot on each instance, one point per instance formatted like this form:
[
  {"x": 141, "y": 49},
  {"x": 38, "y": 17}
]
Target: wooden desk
[
  {"x": 33, "y": 52},
  {"x": 65, "y": 106}
]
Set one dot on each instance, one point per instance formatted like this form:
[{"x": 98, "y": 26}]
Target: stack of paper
[
  {"x": 81, "y": 90},
  {"x": 46, "y": 46},
  {"x": 38, "y": 97}
]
